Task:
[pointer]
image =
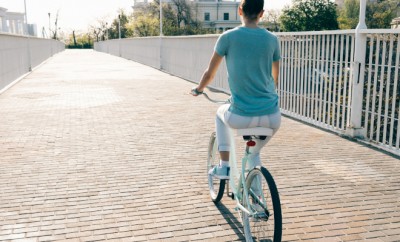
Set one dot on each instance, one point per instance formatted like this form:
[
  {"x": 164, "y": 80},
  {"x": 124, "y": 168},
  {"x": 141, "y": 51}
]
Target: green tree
[
  {"x": 309, "y": 15},
  {"x": 99, "y": 30},
  {"x": 54, "y": 30},
  {"x": 177, "y": 19},
  {"x": 380, "y": 14},
  {"x": 144, "y": 25},
  {"x": 349, "y": 14},
  {"x": 113, "y": 31},
  {"x": 271, "y": 18},
  {"x": 183, "y": 12},
  {"x": 146, "y": 20},
  {"x": 80, "y": 41}
]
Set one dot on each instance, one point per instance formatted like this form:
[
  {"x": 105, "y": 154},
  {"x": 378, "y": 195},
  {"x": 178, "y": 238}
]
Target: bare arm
[
  {"x": 210, "y": 72},
  {"x": 275, "y": 72}
]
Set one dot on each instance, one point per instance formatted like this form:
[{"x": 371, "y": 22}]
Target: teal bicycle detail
[{"x": 253, "y": 188}]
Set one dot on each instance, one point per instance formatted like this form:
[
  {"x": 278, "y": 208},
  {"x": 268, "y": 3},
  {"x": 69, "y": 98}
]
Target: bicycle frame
[
  {"x": 241, "y": 181},
  {"x": 234, "y": 173},
  {"x": 247, "y": 188}
]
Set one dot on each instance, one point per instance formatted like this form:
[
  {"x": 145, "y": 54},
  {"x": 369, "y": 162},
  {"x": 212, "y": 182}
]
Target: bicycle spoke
[{"x": 263, "y": 224}]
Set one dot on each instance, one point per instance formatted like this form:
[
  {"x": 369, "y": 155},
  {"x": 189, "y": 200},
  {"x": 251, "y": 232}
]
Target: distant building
[
  {"x": 395, "y": 23},
  {"x": 14, "y": 23},
  {"x": 214, "y": 14},
  {"x": 218, "y": 15}
]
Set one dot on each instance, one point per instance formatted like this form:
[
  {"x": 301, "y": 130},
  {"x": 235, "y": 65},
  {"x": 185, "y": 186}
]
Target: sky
[{"x": 80, "y": 14}]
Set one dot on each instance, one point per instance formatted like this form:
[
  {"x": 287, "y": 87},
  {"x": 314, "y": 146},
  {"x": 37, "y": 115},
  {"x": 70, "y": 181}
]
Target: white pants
[{"x": 225, "y": 121}]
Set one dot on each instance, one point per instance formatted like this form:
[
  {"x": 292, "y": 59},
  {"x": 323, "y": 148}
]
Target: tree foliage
[
  {"x": 80, "y": 41},
  {"x": 380, "y": 14},
  {"x": 177, "y": 19},
  {"x": 309, "y": 15},
  {"x": 123, "y": 19},
  {"x": 144, "y": 25},
  {"x": 349, "y": 14},
  {"x": 99, "y": 30},
  {"x": 146, "y": 20},
  {"x": 183, "y": 12},
  {"x": 271, "y": 17}
]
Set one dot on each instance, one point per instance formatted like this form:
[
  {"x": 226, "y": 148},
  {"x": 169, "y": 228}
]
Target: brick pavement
[{"x": 94, "y": 147}]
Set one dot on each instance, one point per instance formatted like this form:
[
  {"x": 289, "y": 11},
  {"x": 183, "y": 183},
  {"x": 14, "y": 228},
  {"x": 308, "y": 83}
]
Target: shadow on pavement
[{"x": 231, "y": 219}]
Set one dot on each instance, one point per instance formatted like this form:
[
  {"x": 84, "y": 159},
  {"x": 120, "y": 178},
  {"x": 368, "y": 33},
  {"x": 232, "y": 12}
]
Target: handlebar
[
  {"x": 197, "y": 93},
  {"x": 214, "y": 100}
]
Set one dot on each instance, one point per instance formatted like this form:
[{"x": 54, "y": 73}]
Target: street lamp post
[
  {"x": 28, "y": 39},
  {"x": 161, "y": 25},
  {"x": 107, "y": 30},
  {"x": 161, "y": 34},
  {"x": 49, "y": 28},
  {"x": 119, "y": 34},
  {"x": 119, "y": 26},
  {"x": 26, "y": 20}
]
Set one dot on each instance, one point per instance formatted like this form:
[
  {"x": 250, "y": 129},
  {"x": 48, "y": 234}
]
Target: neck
[{"x": 253, "y": 24}]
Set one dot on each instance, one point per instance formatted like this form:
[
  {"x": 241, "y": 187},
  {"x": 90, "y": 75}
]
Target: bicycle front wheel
[
  {"x": 266, "y": 222},
  {"x": 215, "y": 185}
]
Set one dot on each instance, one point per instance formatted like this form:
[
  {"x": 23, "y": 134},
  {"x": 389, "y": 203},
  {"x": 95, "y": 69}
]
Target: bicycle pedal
[
  {"x": 258, "y": 217},
  {"x": 260, "y": 213},
  {"x": 263, "y": 218}
]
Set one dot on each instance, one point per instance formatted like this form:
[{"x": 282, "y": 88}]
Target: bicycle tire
[
  {"x": 260, "y": 228},
  {"x": 215, "y": 185}
]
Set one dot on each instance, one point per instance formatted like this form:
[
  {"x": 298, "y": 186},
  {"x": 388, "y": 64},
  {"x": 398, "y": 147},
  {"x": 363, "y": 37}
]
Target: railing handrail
[
  {"x": 379, "y": 31},
  {"x": 325, "y": 32},
  {"x": 350, "y": 31}
]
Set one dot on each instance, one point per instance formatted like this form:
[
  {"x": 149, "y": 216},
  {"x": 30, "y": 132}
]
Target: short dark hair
[{"x": 251, "y": 8}]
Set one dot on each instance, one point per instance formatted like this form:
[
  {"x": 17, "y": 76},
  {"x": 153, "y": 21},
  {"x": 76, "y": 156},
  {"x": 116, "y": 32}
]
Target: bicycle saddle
[{"x": 257, "y": 131}]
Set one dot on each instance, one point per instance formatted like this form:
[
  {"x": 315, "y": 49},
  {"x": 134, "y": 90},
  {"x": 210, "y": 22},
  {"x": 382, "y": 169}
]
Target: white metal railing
[
  {"x": 382, "y": 89},
  {"x": 19, "y": 54},
  {"x": 315, "y": 80},
  {"x": 319, "y": 78}
]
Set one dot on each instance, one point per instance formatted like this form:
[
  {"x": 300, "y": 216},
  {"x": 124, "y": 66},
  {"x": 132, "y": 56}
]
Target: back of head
[{"x": 251, "y": 8}]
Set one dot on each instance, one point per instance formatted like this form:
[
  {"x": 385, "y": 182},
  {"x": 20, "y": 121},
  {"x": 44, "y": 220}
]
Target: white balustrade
[
  {"x": 321, "y": 80},
  {"x": 19, "y": 54}
]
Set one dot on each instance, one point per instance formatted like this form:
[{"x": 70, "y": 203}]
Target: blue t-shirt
[{"x": 249, "y": 54}]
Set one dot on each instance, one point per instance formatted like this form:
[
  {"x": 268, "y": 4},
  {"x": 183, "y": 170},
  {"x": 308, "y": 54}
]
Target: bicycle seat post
[
  {"x": 250, "y": 143},
  {"x": 248, "y": 134}
]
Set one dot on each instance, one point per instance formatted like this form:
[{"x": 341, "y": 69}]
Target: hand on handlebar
[{"x": 195, "y": 92}]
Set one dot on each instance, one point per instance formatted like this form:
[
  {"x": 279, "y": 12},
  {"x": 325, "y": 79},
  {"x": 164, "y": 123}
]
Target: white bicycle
[{"x": 255, "y": 191}]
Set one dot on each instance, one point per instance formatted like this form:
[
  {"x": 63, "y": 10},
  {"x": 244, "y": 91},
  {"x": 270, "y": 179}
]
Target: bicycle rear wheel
[
  {"x": 215, "y": 185},
  {"x": 266, "y": 224}
]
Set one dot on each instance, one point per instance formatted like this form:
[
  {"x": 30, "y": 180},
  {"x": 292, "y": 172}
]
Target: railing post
[{"x": 354, "y": 128}]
